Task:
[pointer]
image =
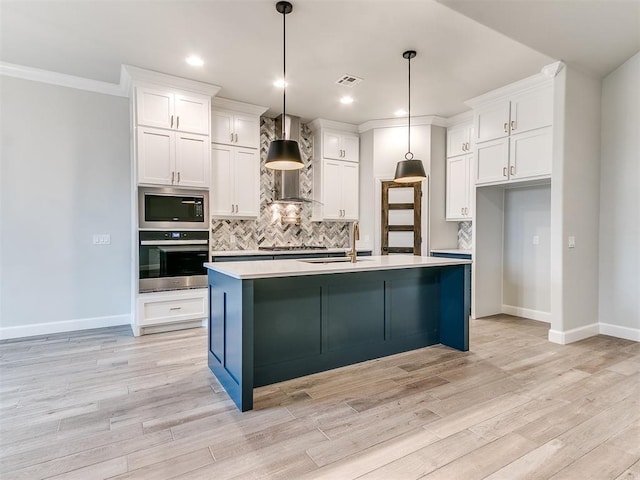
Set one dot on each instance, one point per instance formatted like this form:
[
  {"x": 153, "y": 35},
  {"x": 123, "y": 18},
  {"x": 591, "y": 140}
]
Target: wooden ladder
[{"x": 416, "y": 206}]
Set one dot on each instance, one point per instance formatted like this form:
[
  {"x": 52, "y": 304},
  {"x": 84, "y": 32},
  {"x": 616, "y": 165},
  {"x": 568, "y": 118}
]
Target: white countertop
[
  {"x": 239, "y": 253},
  {"x": 454, "y": 251},
  {"x": 293, "y": 268}
]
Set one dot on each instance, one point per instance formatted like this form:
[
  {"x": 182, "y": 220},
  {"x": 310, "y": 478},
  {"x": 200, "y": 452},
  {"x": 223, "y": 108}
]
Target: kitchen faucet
[{"x": 355, "y": 235}]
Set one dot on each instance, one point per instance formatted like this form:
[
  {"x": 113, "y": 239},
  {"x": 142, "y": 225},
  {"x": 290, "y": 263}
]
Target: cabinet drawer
[{"x": 156, "y": 309}]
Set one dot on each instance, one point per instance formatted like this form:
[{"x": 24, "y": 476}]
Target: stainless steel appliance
[
  {"x": 173, "y": 208},
  {"x": 171, "y": 260}
]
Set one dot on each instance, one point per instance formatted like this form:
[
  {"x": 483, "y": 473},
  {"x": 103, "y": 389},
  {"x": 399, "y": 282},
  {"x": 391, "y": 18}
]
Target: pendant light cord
[
  {"x": 409, "y": 154},
  {"x": 284, "y": 72}
]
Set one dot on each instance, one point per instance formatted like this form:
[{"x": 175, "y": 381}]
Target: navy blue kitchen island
[{"x": 275, "y": 320}]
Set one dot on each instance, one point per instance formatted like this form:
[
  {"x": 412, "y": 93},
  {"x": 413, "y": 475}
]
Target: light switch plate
[
  {"x": 101, "y": 239},
  {"x": 572, "y": 242},
  {"x": 536, "y": 240}
]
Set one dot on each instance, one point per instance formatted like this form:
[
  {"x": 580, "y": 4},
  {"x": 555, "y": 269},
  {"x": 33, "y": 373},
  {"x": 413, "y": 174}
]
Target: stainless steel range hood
[{"x": 286, "y": 188}]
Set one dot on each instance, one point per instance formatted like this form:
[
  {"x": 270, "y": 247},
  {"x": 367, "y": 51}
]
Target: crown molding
[
  {"x": 460, "y": 119},
  {"x": 332, "y": 125},
  {"x": 544, "y": 78},
  {"x": 138, "y": 75},
  {"x": 227, "y": 104},
  {"x": 61, "y": 79},
  {"x": 402, "y": 122}
]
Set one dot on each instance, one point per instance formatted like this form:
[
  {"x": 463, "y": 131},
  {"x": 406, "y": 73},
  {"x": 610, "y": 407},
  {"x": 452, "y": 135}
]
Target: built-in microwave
[{"x": 173, "y": 208}]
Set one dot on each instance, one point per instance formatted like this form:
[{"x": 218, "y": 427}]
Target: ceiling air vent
[{"x": 349, "y": 80}]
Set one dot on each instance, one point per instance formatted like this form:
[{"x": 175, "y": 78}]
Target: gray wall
[
  {"x": 619, "y": 200},
  {"x": 526, "y": 266},
  {"x": 65, "y": 175}
]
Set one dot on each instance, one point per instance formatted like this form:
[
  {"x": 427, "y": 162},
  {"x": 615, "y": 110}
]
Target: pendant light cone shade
[
  {"x": 409, "y": 170},
  {"x": 284, "y": 154}
]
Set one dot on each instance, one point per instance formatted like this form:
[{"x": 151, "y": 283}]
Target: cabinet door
[
  {"x": 532, "y": 110},
  {"x": 246, "y": 173},
  {"x": 492, "y": 122},
  {"x": 457, "y": 140},
  {"x": 247, "y": 130},
  {"x": 156, "y": 156},
  {"x": 349, "y": 189},
  {"x": 530, "y": 154},
  {"x": 154, "y": 107},
  {"x": 192, "y": 113},
  {"x": 220, "y": 194},
  {"x": 457, "y": 187},
  {"x": 331, "y": 190},
  {"x": 222, "y": 127},
  {"x": 471, "y": 189},
  {"x": 192, "y": 160},
  {"x": 350, "y": 148},
  {"x": 492, "y": 160},
  {"x": 331, "y": 145}
]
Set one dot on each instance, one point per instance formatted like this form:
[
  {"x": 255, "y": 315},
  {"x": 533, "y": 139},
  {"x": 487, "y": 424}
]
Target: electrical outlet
[
  {"x": 536, "y": 240},
  {"x": 572, "y": 242},
  {"x": 101, "y": 239}
]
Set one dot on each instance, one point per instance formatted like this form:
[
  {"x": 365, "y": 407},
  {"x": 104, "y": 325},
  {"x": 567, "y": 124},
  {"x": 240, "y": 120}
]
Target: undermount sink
[{"x": 334, "y": 260}]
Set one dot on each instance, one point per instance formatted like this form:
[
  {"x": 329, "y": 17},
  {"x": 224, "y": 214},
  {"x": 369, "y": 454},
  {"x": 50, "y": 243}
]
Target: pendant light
[
  {"x": 284, "y": 154},
  {"x": 409, "y": 170}
]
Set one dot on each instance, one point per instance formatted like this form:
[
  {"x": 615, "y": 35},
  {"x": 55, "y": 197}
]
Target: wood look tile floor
[{"x": 103, "y": 404}]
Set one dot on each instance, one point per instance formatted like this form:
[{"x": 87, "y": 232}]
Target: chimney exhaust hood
[{"x": 287, "y": 182}]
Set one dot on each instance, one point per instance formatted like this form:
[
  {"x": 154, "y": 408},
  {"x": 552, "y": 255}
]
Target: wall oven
[
  {"x": 173, "y": 208},
  {"x": 171, "y": 260}
]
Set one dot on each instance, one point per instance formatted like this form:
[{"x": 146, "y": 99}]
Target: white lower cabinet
[
  {"x": 235, "y": 182},
  {"x": 162, "y": 308},
  {"x": 525, "y": 156},
  {"x": 459, "y": 188},
  {"x": 338, "y": 183},
  {"x": 172, "y": 158}
]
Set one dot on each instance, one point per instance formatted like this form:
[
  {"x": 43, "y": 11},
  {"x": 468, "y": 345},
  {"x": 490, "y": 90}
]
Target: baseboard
[
  {"x": 527, "y": 313},
  {"x": 620, "y": 332},
  {"x": 63, "y": 326},
  {"x": 573, "y": 335}
]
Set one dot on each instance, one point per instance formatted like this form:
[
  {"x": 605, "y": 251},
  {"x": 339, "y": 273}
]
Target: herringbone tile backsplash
[
  {"x": 464, "y": 235},
  {"x": 267, "y": 229}
]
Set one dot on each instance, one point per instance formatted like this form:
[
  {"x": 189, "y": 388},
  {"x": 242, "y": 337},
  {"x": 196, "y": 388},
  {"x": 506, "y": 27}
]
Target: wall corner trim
[
  {"x": 62, "y": 79},
  {"x": 63, "y": 326}
]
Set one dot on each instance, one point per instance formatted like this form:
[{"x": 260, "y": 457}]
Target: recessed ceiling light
[
  {"x": 194, "y": 61},
  {"x": 400, "y": 113},
  {"x": 346, "y": 100},
  {"x": 280, "y": 83}
]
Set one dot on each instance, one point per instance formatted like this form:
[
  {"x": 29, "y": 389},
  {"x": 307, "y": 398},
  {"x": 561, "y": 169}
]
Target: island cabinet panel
[
  {"x": 354, "y": 315},
  {"x": 288, "y": 322},
  {"x": 267, "y": 330}
]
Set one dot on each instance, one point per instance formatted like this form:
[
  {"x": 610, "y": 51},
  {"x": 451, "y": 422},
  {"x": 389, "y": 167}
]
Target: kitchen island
[{"x": 275, "y": 320}]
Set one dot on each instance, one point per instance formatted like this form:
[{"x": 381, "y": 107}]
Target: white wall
[
  {"x": 526, "y": 265},
  {"x": 442, "y": 234},
  {"x": 619, "y": 259},
  {"x": 575, "y": 203},
  {"x": 65, "y": 175},
  {"x": 366, "y": 207}
]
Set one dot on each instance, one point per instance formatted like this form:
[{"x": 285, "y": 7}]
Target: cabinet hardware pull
[
  {"x": 173, "y": 174},
  {"x": 175, "y": 308},
  {"x": 231, "y": 137},
  {"x": 513, "y": 124},
  {"x": 512, "y": 170},
  {"x": 506, "y": 127},
  {"x": 468, "y": 146},
  {"x": 178, "y": 121},
  {"x": 463, "y": 147},
  {"x": 504, "y": 171},
  {"x": 236, "y": 135},
  {"x": 461, "y": 211},
  {"x": 178, "y": 178},
  {"x": 171, "y": 121},
  {"x": 466, "y": 210}
]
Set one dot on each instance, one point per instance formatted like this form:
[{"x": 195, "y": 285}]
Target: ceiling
[{"x": 240, "y": 42}]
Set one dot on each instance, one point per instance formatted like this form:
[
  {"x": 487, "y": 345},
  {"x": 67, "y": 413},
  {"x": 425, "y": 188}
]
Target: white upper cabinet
[
  {"x": 459, "y": 188},
  {"x": 513, "y": 137},
  {"x": 235, "y": 128},
  {"x": 172, "y": 109},
  {"x": 341, "y": 146},
  {"x": 172, "y": 158},
  {"x": 339, "y": 188},
  {"x": 459, "y": 140},
  {"x": 235, "y": 182}
]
